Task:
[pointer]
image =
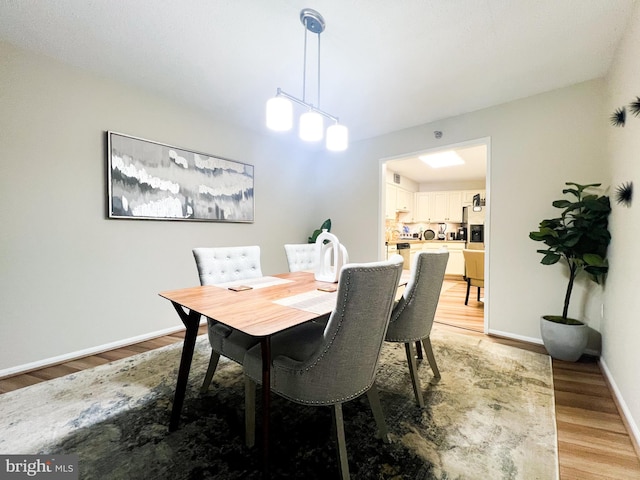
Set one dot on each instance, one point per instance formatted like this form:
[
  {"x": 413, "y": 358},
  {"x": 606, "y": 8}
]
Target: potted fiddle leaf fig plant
[{"x": 578, "y": 238}]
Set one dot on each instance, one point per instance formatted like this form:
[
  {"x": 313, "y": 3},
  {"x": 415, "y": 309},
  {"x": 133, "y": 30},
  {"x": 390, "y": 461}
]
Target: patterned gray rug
[{"x": 491, "y": 416}]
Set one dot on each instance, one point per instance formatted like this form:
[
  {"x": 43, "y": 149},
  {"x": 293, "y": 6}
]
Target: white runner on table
[
  {"x": 258, "y": 282},
  {"x": 314, "y": 301}
]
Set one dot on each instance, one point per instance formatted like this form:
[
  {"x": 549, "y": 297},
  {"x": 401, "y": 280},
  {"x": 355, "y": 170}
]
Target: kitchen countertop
[{"x": 415, "y": 240}]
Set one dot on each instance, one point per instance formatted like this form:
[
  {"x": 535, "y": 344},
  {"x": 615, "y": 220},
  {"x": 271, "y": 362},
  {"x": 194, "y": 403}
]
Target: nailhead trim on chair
[{"x": 347, "y": 285}]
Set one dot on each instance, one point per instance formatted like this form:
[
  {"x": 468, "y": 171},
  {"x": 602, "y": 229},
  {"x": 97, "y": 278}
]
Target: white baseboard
[
  {"x": 634, "y": 431},
  {"x": 47, "y": 362},
  {"x": 537, "y": 341},
  {"x": 511, "y": 336}
]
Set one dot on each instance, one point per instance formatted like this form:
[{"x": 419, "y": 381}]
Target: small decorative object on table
[{"x": 332, "y": 256}]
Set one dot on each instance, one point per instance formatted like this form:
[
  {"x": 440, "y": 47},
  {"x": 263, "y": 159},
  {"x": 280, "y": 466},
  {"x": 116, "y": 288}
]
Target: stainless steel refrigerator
[{"x": 473, "y": 220}]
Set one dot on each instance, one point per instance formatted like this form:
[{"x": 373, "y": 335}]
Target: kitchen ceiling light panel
[{"x": 442, "y": 159}]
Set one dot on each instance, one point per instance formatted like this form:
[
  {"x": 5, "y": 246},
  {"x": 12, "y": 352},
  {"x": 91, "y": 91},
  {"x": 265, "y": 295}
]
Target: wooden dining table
[{"x": 272, "y": 305}]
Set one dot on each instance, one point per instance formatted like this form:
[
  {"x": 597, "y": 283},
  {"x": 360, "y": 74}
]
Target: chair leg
[
  {"x": 428, "y": 349},
  {"x": 341, "y": 443},
  {"x": 213, "y": 363},
  {"x": 249, "y": 412},
  {"x": 413, "y": 371},
  {"x": 376, "y": 408},
  {"x": 466, "y": 299},
  {"x": 418, "y": 350},
  {"x": 478, "y": 293}
]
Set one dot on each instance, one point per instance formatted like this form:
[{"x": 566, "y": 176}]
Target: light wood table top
[{"x": 250, "y": 311}]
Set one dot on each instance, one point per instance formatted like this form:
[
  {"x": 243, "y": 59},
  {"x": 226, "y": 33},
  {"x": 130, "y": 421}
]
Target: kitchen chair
[
  {"x": 412, "y": 317},
  {"x": 474, "y": 270},
  {"x": 301, "y": 256},
  {"x": 221, "y": 265},
  {"x": 314, "y": 364}
]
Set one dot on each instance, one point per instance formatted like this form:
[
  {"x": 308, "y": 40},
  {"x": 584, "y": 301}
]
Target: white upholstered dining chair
[
  {"x": 412, "y": 317},
  {"x": 305, "y": 256},
  {"x": 220, "y": 265},
  {"x": 315, "y": 364},
  {"x": 301, "y": 256}
]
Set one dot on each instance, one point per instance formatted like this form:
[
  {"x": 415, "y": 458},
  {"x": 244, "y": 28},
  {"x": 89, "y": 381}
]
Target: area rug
[{"x": 490, "y": 416}]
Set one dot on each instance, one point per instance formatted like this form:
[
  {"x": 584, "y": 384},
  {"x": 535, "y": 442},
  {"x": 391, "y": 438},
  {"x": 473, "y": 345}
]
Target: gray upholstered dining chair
[
  {"x": 314, "y": 364},
  {"x": 221, "y": 265},
  {"x": 412, "y": 317},
  {"x": 301, "y": 256}
]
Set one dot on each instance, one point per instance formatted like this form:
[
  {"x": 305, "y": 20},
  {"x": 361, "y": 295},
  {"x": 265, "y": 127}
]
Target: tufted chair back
[
  {"x": 349, "y": 344},
  {"x": 227, "y": 264},
  {"x": 301, "y": 256},
  {"x": 221, "y": 265}
]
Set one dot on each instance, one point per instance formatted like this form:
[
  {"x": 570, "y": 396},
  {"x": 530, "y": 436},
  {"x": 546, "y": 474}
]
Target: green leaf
[
  {"x": 550, "y": 258},
  {"x": 562, "y": 203},
  {"x": 594, "y": 260},
  {"x": 596, "y": 204}
]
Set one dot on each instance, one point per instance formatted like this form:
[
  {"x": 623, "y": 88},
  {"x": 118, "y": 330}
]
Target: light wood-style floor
[{"x": 593, "y": 442}]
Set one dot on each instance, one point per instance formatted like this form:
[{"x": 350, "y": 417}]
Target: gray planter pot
[{"x": 564, "y": 342}]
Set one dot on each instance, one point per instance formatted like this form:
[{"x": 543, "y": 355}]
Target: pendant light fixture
[{"x": 311, "y": 122}]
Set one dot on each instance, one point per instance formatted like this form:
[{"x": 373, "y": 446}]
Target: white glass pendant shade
[
  {"x": 337, "y": 138},
  {"x": 279, "y": 114},
  {"x": 311, "y": 127}
]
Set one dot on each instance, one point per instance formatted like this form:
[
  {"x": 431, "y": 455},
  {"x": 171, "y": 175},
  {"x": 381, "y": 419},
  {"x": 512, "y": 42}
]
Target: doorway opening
[{"x": 433, "y": 208}]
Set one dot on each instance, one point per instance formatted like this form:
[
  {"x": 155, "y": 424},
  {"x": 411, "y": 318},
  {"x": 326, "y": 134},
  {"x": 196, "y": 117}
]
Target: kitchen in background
[{"x": 430, "y": 208}]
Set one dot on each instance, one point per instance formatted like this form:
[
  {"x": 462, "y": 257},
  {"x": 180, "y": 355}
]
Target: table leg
[
  {"x": 191, "y": 322},
  {"x": 266, "y": 402}
]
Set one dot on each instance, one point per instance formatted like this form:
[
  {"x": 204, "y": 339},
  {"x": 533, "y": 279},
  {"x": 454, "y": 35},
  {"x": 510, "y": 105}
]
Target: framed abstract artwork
[{"x": 151, "y": 180}]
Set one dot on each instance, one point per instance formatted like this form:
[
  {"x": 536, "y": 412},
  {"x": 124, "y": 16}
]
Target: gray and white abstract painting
[{"x": 151, "y": 180}]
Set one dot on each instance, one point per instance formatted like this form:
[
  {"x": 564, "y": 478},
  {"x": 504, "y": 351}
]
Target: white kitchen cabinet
[
  {"x": 404, "y": 200},
  {"x": 447, "y": 207},
  {"x": 455, "y": 265},
  {"x": 455, "y": 207},
  {"x": 467, "y": 196},
  {"x": 443, "y": 206},
  {"x": 397, "y": 200},
  {"x": 424, "y": 202}
]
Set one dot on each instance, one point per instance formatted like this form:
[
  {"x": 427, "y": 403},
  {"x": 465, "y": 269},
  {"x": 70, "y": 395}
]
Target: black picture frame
[{"x": 154, "y": 181}]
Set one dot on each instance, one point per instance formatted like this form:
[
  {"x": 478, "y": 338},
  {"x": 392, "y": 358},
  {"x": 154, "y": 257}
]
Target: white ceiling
[
  {"x": 386, "y": 65},
  {"x": 473, "y": 170}
]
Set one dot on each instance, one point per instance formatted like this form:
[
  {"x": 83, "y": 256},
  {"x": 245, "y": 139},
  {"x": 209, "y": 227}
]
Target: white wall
[
  {"x": 537, "y": 144},
  {"x": 71, "y": 279},
  {"x": 621, "y": 325}
]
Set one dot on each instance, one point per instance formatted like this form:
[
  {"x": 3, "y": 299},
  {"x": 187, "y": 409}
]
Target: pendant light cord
[
  {"x": 318, "y": 99},
  {"x": 304, "y": 67}
]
